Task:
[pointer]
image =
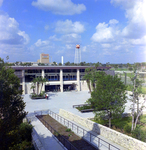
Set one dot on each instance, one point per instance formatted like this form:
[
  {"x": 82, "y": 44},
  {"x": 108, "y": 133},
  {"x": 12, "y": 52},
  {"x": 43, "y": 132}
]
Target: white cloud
[
  {"x": 1, "y": 2},
  {"x": 41, "y": 43},
  {"x": 71, "y": 38},
  {"x": 106, "y": 45},
  {"x": 46, "y": 27},
  {"x": 135, "y": 13},
  {"x": 69, "y": 27},
  {"x": 104, "y": 33},
  {"x": 113, "y": 21},
  {"x": 10, "y": 33},
  {"x": 61, "y": 7}
]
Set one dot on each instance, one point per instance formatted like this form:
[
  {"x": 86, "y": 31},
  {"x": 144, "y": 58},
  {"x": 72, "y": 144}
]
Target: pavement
[{"x": 56, "y": 101}]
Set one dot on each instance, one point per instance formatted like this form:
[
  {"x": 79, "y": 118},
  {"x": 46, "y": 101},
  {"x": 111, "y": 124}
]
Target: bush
[
  {"x": 127, "y": 128},
  {"x": 68, "y": 130},
  {"x": 139, "y": 134},
  {"x": 25, "y": 131}
]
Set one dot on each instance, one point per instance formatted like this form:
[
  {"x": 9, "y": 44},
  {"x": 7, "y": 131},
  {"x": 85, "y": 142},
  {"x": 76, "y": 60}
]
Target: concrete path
[
  {"x": 42, "y": 137},
  {"x": 55, "y": 102}
]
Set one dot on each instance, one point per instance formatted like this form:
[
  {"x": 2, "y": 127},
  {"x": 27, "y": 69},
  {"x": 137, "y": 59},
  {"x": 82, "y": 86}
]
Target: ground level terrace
[{"x": 59, "y": 78}]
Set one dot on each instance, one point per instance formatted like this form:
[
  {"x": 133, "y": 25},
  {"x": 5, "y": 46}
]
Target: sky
[{"x": 111, "y": 31}]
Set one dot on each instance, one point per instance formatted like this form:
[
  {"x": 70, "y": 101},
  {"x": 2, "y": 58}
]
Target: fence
[
  {"x": 64, "y": 141},
  {"x": 125, "y": 77},
  {"x": 86, "y": 135}
]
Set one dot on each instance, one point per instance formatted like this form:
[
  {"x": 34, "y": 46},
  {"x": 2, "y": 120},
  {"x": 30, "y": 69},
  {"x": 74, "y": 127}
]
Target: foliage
[
  {"x": 137, "y": 90},
  {"x": 109, "y": 94},
  {"x": 68, "y": 130},
  {"x": 11, "y": 105},
  {"x": 139, "y": 134},
  {"x": 127, "y": 128},
  {"x": 37, "y": 81},
  {"x": 84, "y": 107}
]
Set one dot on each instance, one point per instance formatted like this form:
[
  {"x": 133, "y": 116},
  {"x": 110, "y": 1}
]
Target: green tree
[
  {"x": 109, "y": 96},
  {"x": 137, "y": 90},
  {"x": 11, "y": 105},
  {"x": 60, "y": 64},
  {"x": 37, "y": 81}
]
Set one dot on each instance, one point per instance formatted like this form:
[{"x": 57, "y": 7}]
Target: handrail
[
  {"x": 51, "y": 113},
  {"x": 64, "y": 141}
]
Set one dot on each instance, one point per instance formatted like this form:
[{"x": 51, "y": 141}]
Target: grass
[
  {"x": 129, "y": 88},
  {"x": 120, "y": 69}
]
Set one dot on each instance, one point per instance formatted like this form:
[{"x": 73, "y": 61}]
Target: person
[{"x": 47, "y": 96}]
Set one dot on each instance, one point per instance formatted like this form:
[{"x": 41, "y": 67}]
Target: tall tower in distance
[{"x": 77, "y": 59}]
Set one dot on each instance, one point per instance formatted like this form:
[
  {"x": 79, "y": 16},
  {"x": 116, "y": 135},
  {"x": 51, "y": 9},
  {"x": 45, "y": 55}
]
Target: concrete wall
[{"x": 117, "y": 137}]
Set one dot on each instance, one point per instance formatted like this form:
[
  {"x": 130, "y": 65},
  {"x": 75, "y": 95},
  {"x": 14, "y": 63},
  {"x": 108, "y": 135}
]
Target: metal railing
[
  {"x": 86, "y": 135},
  {"x": 64, "y": 141}
]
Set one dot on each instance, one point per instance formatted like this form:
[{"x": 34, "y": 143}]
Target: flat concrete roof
[{"x": 56, "y": 67}]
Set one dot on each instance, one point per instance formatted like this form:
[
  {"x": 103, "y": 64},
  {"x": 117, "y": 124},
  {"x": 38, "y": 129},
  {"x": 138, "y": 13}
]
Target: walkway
[{"x": 55, "y": 102}]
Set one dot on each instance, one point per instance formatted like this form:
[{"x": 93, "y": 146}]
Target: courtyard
[{"x": 65, "y": 100}]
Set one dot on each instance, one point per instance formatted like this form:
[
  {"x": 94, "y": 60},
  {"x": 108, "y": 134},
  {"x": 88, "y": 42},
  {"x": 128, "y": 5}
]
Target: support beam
[
  {"x": 61, "y": 80},
  {"x": 23, "y": 81},
  {"x": 78, "y": 80},
  {"x": 43, "y": 76}
]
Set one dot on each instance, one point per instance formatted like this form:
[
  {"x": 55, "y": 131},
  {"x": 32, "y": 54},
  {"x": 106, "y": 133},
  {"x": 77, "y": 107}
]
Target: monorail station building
[{"x": 59, "y": 78}]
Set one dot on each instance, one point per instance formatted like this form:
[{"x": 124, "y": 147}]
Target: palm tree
[
  {"x": 42, "y": 81},
  {"x": 37, "y": 80}
]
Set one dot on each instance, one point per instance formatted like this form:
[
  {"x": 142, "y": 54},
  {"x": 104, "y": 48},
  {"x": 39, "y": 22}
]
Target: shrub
[
  {"x": 68, "y": 130},
  {"x": 127, "y": 128},
  {"x": 139, "y": 134},
  {"x": 25, "y": 130}
]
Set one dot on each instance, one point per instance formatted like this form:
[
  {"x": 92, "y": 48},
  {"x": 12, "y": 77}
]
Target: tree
[
  {"x": 137, "y": 90},
  {"x": 87, "y": 77},
  {"x": 11, "y": 105},
  {"x": 60, "y": 64},
  {"x": 109, "y": 96},
  {"x": 38, "y": 81}
]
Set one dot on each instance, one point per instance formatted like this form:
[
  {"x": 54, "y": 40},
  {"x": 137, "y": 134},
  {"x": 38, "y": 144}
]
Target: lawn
[{"x": 129, "y": 88}]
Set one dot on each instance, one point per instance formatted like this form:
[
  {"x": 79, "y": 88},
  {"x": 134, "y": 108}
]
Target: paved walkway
[{"x": 55, "y": 102}]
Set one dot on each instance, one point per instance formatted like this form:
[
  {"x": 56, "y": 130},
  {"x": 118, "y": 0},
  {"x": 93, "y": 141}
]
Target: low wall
[{"x": 117, "y": 137}]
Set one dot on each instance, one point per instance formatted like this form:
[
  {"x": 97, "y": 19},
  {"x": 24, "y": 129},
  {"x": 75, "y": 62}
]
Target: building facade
[
  {"x": 44, "y": 58},
  {"x": 59, "y": 78}
]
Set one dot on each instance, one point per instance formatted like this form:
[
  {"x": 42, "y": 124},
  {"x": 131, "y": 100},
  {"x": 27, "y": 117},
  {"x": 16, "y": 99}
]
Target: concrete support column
[
  {"x": 78, "y": 80},
  {"x": 23, "y": 81},
  {"x": 43, "y": 76},
  {"x": 61, "y": 80}
]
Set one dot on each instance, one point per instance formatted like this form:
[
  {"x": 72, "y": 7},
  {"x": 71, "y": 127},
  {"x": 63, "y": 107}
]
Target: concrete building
[
  {"x": 44, "y": 58},
  {"x": 59, "y": 78}
]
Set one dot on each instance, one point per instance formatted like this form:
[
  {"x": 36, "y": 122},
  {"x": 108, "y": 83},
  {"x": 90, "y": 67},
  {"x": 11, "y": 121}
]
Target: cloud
[
  {"x": 105, "y": 32},
  {"x": 10, "y": 32},
  {"x": 61, "y": 7},
  {"x": 68, "y": 26},
  {"x": 1, "y": 2},
  {"x": 113, "y": 21},
  {"x": 41, "y": 43},
  {"x": 71, "y": 38},
  {"x": 135, "y": 13},
  {"x": 46, "y": 27}
]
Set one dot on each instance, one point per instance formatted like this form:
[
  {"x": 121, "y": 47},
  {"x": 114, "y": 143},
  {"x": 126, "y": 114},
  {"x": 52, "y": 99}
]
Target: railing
[
  {"x": 64, "y": 141},
  {"x": 80, "y": 105},
  {"x": 88, "y": 136}
]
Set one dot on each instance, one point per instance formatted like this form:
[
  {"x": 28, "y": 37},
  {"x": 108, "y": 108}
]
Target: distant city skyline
[{"x": 107, "y": 30}]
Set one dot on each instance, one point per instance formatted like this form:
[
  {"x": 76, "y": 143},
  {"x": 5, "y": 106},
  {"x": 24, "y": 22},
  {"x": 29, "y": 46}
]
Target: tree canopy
[
  {"x": 109, "y": 97},
  {"x": 11, "y": 105}
]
